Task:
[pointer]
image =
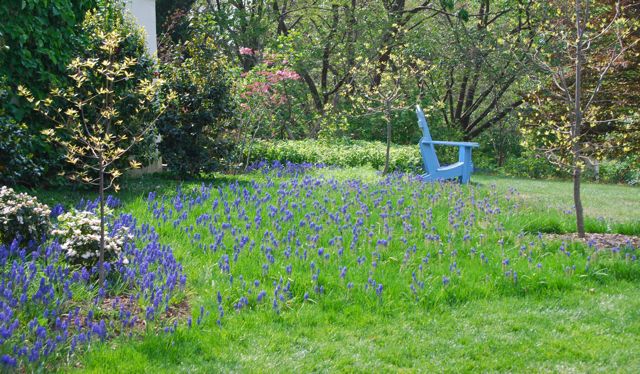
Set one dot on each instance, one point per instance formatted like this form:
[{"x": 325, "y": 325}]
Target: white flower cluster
[
  {"x": 79, "y": 235},
  {"x": 22, "y": 214}
]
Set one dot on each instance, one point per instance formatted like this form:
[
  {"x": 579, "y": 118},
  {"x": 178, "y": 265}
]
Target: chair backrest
[
  {"x": 429, "y": 157},
  {"x": 422, "y": 122}
]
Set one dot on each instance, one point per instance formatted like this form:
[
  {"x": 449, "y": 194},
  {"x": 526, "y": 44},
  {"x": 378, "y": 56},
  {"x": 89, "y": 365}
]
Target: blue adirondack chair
[{"x": 460, "y": 170}]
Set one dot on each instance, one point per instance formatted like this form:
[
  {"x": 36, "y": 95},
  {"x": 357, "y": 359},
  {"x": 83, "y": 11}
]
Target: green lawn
[
  {"x": 579, "y": 331},
  {"x": 572, "y": 312},
  {"x": 615, "y": 202}
]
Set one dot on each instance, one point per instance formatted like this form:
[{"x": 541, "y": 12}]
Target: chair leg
[{"x": 464, "y": 156}]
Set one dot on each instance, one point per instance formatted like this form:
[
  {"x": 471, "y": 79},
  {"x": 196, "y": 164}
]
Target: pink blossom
[
  {"x": 246, "y": 51},
  {"x": 288, "y": 74}
]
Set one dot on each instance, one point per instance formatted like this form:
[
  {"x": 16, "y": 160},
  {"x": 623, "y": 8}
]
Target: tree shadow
[{"x": 133, "y": 188}]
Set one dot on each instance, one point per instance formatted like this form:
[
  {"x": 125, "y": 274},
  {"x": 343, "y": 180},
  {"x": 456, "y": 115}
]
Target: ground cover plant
[
  {"x": 295, "y": 262},
  {"x": 345, "y": 154}
]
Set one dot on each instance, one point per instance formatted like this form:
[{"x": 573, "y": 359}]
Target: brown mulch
[
  {"x": 601, "y": 241},
  {"x": 177, "y": 312}
]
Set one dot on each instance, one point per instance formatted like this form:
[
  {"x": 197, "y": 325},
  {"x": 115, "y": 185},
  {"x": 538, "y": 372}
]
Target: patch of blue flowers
[{"x": 48, "y": 307}]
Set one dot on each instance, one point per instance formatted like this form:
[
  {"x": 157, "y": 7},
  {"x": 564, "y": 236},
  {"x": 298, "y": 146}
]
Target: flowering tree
[
  {"x": 264, "y": 94},
  {"x": 582, "y": 43},
  {"x": 90, "y": 126}
]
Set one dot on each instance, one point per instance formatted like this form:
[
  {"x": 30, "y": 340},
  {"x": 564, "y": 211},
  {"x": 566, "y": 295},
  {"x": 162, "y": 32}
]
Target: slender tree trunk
[
  {"x": 387, "y": 117},
  {"x": 577, "y": 172},
  {"x": 577, "y": 125},
  {"x": 101, "y": 259},
  {"x": 251, "y": 141}
]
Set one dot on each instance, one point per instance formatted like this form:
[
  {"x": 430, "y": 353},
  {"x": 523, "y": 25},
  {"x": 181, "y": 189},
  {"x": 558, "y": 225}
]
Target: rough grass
[{"x": 550, "y": 320}]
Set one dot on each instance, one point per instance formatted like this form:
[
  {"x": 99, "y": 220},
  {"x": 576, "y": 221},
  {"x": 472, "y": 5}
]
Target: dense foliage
[
  {"x": 346, "y": 153},
  {"x": 38, "y": 38},
  {"x": 17, "y": 147},
  {"x": 193, "y": 127}
]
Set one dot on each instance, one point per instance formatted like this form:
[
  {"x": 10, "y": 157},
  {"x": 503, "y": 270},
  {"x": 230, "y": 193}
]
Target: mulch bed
[{"x": 601, "y": 241}]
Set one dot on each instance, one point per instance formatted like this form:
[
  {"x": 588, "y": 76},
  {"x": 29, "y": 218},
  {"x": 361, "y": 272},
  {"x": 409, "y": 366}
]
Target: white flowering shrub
[
  {"x": 78, "y": 233},
  {"x": 22, "y": 215}
]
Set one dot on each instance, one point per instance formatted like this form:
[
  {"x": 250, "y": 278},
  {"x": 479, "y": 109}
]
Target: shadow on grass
[{"x": 133, "y": 188}]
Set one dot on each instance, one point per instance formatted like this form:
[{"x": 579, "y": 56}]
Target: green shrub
[
  {"x": 192, "y": 127},
  {"x": 22, "y": 215},
  {"x": 620, "y": 171},
  {"x": 346, "y": 153},
  {"x": 37, "y": 53},
  {"x": 16, "y": 153},
  {"x": 38, "y": 38},
  {"x": 24, "y": 155}
]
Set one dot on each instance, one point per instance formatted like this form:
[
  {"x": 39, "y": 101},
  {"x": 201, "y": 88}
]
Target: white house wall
[{"x": 145, "y": 13}]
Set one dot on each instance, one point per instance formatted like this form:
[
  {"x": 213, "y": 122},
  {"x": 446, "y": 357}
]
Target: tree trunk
[
  {"x": 501, "y": 157},
  {"x": 387, "y": 117},
  {"x": 577, "y": 124},
  {"x": 101, "y": 259},
  {"x": 577, "y": 172}
]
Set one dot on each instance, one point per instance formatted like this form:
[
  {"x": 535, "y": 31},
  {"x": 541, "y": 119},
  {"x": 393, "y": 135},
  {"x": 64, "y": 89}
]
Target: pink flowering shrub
[
  {"x": 246, "y": 51},
  {"x": 266, "y": 86},
  {"x": 268, "y": 97}
]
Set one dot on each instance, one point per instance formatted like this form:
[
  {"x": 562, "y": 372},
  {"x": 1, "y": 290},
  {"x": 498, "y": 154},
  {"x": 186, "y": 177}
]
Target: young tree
[
  {"x": 90, "y": 125},
  {"x": 389, "y": 94},
  {"x": 582, "y": 42}
]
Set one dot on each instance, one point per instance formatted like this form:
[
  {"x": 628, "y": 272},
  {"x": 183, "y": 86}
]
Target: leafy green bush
[
  {"x": 24, "y": 155},
  {"x": 347, "y": 153},
  {"x": 192, "y": 128},
  {"x": 22, "y": 215},
  {"x": 16, "y": 153},
  {"x": 532, "y": 165},
  {"x": 620, "y": 171},
  {"x": 38, "y": 38},
  {"x": 36, "y": 54}
]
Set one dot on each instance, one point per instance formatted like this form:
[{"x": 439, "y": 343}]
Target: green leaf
[{"x": 463, "y": 15}]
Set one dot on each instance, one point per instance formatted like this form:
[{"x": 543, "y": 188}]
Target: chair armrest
[{"x": 457, "y": 144}]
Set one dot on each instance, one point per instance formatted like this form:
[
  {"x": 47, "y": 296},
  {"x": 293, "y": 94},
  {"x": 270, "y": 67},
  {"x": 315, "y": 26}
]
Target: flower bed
[{"x": 50, "y": 307}]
